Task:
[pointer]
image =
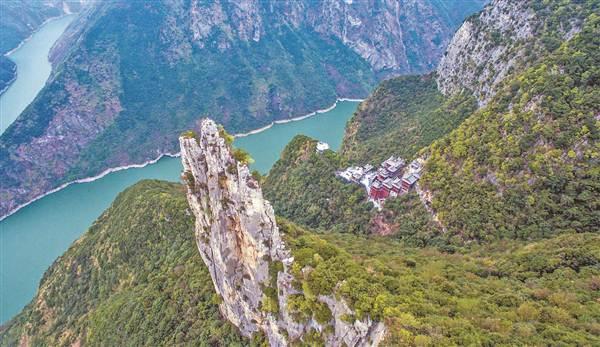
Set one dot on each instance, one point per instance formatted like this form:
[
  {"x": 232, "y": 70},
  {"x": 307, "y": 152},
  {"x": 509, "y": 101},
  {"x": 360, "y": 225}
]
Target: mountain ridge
[{"x": 477, "y": 182}]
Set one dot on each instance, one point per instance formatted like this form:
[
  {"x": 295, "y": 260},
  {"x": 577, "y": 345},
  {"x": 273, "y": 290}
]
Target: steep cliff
[
  {"x": 129, "y": 78},
  {"x": 524, "y": 163},
  {"x": 136, "y": 278},
  {"x": 506, "y": 38},
  {"x": 250, "y": 265}
]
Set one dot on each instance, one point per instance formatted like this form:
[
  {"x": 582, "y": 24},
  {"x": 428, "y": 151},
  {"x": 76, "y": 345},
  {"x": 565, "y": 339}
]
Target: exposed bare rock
[
  {"x": 386, "y": 33},
  {"x": 239, "y": 241},
  {"x": 505, "y": 37}
]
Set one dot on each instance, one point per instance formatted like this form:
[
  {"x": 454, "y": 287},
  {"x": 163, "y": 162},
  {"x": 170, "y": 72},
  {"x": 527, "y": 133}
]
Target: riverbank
[
  {"x": 24, "y": 41},
  {"x": 32, "y": 238},
  {"x": 33, "y": 68},
  {"x": 9, "y": 83},
  {"x": 173, "y": 155},
  {"x": 295, "y": 119},
  {"x": 90, "y": 179}
]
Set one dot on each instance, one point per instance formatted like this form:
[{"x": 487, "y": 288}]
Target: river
[
  {"x": 33, "y": 69},
  {"x": 33, "y": 237}
]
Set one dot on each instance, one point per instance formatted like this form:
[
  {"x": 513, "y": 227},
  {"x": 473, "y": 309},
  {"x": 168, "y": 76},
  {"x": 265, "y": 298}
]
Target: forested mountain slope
[
  {"x": 506, "y": 38},
  {"x": 527, "y": 165},
  {"x": 405, "y": 114},
  {"x": 524, "y": 166},
  {"x": 303, "y": 187},
  {"x": 400, "y": 117},
  {"x": 136, "y": 278},
  {"x": 138, "y": 75}
]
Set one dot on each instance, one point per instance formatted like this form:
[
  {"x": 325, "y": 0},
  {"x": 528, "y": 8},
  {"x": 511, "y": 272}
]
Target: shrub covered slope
[
  {"x": 510, "y": 293},
  {"x": 523, "y": 166},
  {"x": 527, "y": 165}
]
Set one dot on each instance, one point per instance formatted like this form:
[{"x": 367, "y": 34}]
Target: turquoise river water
[
  {"x": 33, "y": 237},
  {"x": 33, "y": 69}
]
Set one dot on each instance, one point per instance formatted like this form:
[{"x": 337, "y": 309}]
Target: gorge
[
  {"x": 281, "y": 59},
  {"x": 497, "y": 244},
  {"x": 32, "y": 69}
]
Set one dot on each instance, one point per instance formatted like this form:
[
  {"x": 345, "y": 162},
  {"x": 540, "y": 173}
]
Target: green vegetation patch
[
  {"x": 400, "y": 117},
  {"x": 508, "y": 293},
  {"x": 303, "y": 187}
]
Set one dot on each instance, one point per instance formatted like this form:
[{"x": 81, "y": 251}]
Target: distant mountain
[
  {"x": 22, "y": 17},
  {"x": 511, "y": 180},
  {"x": 8, "y": 72},
  {"x": 131, "y": 77}
]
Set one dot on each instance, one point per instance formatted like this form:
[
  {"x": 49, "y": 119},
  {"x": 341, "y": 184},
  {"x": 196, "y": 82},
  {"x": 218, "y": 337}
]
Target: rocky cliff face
[
  {"x": 506, "y": 37},
  {"x": 387, "y": 33},
  {"x": 240, "y": 243}
]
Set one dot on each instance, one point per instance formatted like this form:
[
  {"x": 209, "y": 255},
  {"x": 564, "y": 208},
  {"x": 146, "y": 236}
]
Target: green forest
[
  {"x": 303, "y": 187},
  {"x": 505, "y": 253},
  {"x": 400, "y": 117},
  {"x": 508, "y": 293},
  {"x": 527, "y": 165}
]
